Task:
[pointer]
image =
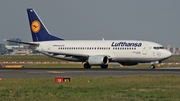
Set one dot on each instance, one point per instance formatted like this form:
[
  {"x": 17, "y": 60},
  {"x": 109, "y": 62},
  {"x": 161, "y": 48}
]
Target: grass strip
[{"x": 127, "y": 88}]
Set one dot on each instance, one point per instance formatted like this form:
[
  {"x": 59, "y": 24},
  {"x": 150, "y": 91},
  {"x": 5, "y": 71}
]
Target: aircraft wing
[
  {"x": 81, "y": 56},
  {"x": 69, "y": 54},
  {"x": 28, "y": 43}
]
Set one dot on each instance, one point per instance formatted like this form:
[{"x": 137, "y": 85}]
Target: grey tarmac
[{"x": 81, "y": 72}]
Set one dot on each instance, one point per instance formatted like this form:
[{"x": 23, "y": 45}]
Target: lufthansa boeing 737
[{"x": 93, "y": 52}]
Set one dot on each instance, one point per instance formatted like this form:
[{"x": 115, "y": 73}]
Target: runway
[{"x": 74, "y": 72}]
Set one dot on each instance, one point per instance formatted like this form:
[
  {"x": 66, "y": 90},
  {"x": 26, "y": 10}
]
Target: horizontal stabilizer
[{"x": 28, "y": 43}]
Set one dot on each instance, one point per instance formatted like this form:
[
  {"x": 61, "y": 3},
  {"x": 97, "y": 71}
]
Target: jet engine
[{"x": 98, "y": 60}]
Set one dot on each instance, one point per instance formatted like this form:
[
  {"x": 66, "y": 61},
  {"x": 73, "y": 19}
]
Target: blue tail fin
[{"x": 38, "y": 29}]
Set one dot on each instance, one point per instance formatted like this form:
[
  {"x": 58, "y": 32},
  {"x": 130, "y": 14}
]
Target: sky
[{"x": 151, "y": 20}]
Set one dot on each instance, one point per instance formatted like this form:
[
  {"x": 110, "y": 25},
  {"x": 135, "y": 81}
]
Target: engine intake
[{"x": 98, "y": 60}]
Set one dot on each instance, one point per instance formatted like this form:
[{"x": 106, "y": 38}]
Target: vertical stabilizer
[{"x": 38, "y": 29}]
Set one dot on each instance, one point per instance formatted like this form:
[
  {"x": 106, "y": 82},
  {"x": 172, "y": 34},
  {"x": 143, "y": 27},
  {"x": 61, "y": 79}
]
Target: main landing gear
[
  {"x": 104, "y": 66},
  {"x": 87, "y": 66}
]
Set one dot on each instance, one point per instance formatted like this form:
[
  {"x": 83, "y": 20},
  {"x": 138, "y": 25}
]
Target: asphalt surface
[{"x": 72, "y": 72}]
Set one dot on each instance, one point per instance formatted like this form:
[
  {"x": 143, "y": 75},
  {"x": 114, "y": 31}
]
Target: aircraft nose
[{"x": 168, "y": 53}]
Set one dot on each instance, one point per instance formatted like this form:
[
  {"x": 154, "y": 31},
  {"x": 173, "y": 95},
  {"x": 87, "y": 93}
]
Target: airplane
[{"x": 93, "y": 52}]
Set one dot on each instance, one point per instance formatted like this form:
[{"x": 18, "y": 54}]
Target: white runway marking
[
  {"x": 45, "y": 72},
  {"x": 56, "y": 72},
  {"x": 169, "y": 68}
]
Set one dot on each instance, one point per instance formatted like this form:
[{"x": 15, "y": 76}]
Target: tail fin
[{"x": 38, "y": 29}]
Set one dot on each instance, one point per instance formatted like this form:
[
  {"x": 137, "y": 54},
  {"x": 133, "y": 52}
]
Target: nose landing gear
[{"x": 152, "y": 66}]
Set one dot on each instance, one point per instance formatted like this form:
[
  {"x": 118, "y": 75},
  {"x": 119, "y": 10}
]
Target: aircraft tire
[
  {"x": 104, "y": 66},
  {"x": 87, "y": 66},
  {"x": 153, "y": 66}
]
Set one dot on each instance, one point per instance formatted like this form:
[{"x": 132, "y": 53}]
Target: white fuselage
[{"x": 116, "y": 50}]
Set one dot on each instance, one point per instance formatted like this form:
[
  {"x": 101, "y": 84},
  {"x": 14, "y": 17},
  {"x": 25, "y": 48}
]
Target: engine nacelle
[
  {"x": 98, "y": 60},
  {"x": 128, "y": 63}
]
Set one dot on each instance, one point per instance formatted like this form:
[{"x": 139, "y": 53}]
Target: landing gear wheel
[
  {"x": 104, "y": 66},
  {"x": 87, "y": 66},
  {"x": 152, "y": 66}
]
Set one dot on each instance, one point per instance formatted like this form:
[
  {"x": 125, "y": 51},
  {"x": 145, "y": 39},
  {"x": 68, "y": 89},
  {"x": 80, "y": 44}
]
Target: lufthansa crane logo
[{"x": 35, "y": 26}]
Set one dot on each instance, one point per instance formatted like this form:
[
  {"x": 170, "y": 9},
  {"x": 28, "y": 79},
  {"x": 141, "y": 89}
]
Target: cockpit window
[
  {"x": 158, "y": 47},
  {"x": 161, "y": 47}
]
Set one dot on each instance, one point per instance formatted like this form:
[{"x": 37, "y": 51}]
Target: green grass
[
  {"x": 174, "y": 57},
  {"x": 128, "y": 88},
  {"x": 53, "y": 66},
  {"x": 65, "y": 64},
  {"x": 42, "y": 58},
  {"x": 81, "y": 66},
  {"x": 31, "y": 58}
]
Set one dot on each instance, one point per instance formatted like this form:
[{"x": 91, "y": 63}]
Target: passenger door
[{"x": 144, "y": 49}]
